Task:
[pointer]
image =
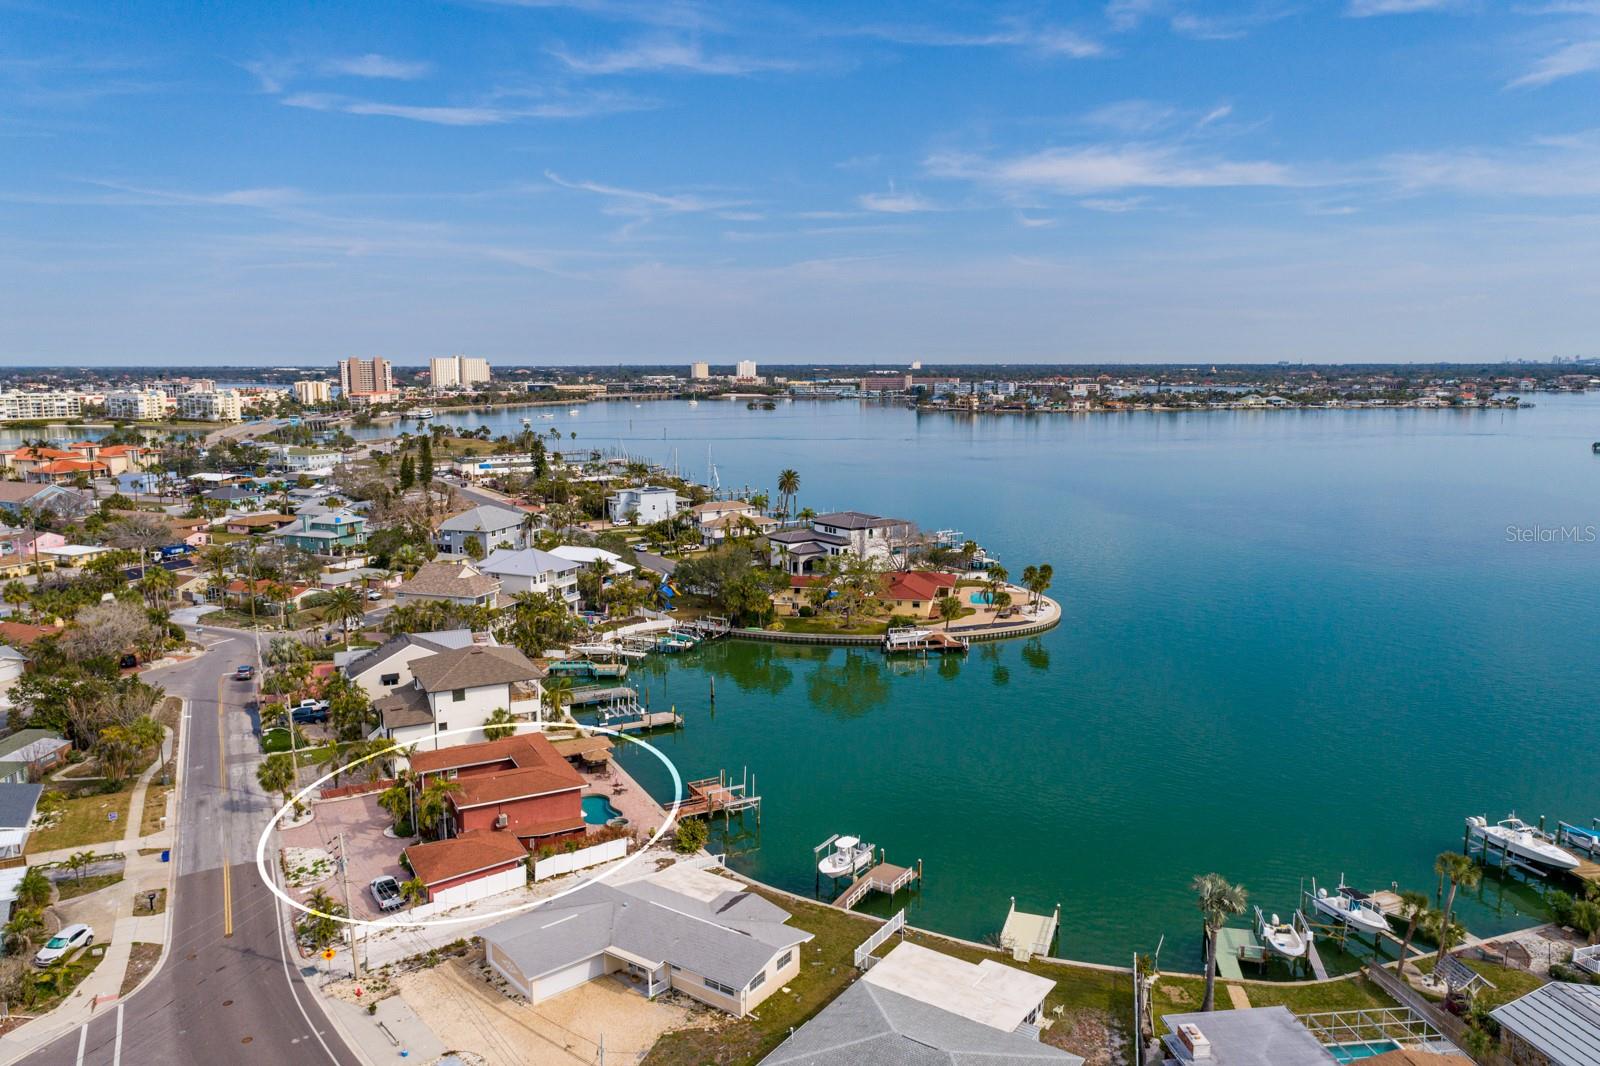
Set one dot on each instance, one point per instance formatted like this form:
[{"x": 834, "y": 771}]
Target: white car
[
  {"x": 374, "y": 595},
  {"x": 58, "y": 947}
]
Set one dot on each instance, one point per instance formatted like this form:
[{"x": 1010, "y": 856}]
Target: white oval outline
[{"x": 395, "y": 922}]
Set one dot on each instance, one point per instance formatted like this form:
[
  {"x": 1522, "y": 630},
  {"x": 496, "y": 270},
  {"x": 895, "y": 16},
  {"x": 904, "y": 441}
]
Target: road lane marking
[
  {"x": 83, "y": 1039},
  {"x": 222, "y": 826},
  {"x": 116, "y": 1051}
]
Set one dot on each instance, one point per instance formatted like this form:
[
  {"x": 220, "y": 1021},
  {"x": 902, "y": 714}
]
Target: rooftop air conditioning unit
[
  {"x": 502, "y": 820},
  {"x": 1194, "y": 1040}
]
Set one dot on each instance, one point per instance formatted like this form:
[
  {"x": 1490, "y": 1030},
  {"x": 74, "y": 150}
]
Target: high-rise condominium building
[
  {"x": 457, "y": 371},
  {"x": 136, "y": 403},
  {"x": 26, "y": 405},
  {"x": 699, "y": 371},
  {"x": 363, "y": 377},
  {"x": 746, "y": 369},
  {"x": 219, "y": 405},
  {"x": 311, "y": 393}
]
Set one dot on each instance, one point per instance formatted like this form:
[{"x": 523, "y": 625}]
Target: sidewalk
[{"x": 141, "y": 874}]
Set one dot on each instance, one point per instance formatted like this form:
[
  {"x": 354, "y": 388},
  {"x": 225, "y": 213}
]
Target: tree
[
  {"x": 1413, "y": 908},
  {"x": 500, "y": 724},
  {"x": 396, "y": 801},
  {"x": 277, "y": 774},
  {"x": 425, "y": 463},
  {"x": 1459, "y": 870},
  {"x": 1217, "y": 899},
  {"x": 408, "y": 473},
  {"x": 1036, "y": 579},
  {"x": 157, "y": 586},
  {"x": 321, "y": 926},
  {"x": 691, "y": 836},
  {"x": 24, "y": 930},
  {"x": 77, "y": 863},
  {"x": 414, "y": 891},
  {"x": 431, "y": 807},
  {"x": 344, "y": 606},
  {"x": 473, "y": 549},
  {"x": 948, "y": 608},
  {"x": 788, "y": 489},
  {"x": 140, "y": 531},
  {"x": 34, "y": 890},
  {"x": 110, "y": 630}
]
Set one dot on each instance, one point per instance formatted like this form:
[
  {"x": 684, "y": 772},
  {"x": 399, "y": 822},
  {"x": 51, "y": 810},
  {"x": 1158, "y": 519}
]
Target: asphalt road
[{"x": 231, "y": 990}]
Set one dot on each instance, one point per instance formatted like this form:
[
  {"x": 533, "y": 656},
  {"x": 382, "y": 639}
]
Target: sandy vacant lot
[{"x": 467, "y": 1012}]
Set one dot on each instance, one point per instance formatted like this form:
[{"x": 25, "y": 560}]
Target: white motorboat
[
  {"x": 1521, "y": 840},
  {"x": 849, "y": 855},
  {"x": 422, "y": 413},
  {"x": 1349, "y": 906},
  {"x": 526, "y": 421},
  {"x": 694, "y": 403},
  {"x": 573, "y": 412},
  {"x": 1281, "y": 938}
]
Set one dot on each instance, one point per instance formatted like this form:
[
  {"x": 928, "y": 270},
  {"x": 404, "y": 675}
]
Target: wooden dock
[
  {"x": 720, "y": 795},
  {"x": 645, "y": 721},
  {"x": 1316, "y": 959},
  {"x": 884, "y": 877},
  {"x": 918, "y": 641},
  {"x": 582, "y": 697},
  {"x": 1587, "y": 870}
]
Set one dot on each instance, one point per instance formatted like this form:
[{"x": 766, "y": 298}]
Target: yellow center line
[{"x": 222, "y": 781}]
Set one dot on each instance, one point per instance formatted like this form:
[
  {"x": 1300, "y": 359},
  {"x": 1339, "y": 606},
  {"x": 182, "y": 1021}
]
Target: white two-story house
[
  {"x": 460, "y": 689},
  {"x": 800, "y": 551},
  {"x": 532, "y": 570},
  {"x": 642, "y": 505}
]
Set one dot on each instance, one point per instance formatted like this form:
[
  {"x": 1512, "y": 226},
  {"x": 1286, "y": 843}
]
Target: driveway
[{"x": 370, "y": 854}]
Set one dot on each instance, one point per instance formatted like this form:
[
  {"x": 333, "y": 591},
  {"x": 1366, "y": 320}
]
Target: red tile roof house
[
  {"x": 914, "y": 592},
  {"x": 520, "y": 786}
]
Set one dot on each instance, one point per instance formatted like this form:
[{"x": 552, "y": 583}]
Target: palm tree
[
  {"x": 1413, "y": 906},
  {"x": 431, "y": 807},
  {"x": 277, "y": 774},
  {"x": 1459, "y": 870},
  {"x": 321, "y": 926},
  {"x": 500, "y": 724},
  {"x": 788, "y": 489},
  {"x": 22, "y": 932},
  {"x": 1043, "y": 574},
  {"x": 557, "y": 695},
  {"x": 948, "y": 607},
  {"x": 1217, "y": 900},
  {"x": 414, "y": 891},
  {"x": 344, "y": 604},
  {"x": 157, "y": 586}
]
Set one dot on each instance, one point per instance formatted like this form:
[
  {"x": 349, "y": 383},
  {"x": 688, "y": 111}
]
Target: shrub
[
  {"x": 1560, "y": 907},
  {"x": 691, "y": 836},
  {"x": 807, "y": 611}
]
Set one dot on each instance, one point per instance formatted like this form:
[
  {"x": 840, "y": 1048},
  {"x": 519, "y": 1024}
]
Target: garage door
[
  {"x": 494, "y": 884},
  {"x": 571, "y": 977}
]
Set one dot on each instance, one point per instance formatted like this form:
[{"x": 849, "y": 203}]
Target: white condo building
[
  {"x": 135, "y": 404},
  {"x": 311, "y": 393},
  {"x": 746, "y": 370},
  {"x": 221, "y": 405},
  {"x": 457, "y": 371},
  {"x": 19, "y": 406},
  {"x": 699, "y": 371}
]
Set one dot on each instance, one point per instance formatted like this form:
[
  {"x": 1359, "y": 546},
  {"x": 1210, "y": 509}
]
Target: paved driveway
[{"x": 371, "y": 854}]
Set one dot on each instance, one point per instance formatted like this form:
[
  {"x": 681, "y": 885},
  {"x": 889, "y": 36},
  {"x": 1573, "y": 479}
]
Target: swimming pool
[
  {"x": 1359, "y": 1051},
  {"x": 597, "y": 810},
  {"x": 980, "y": 598}
]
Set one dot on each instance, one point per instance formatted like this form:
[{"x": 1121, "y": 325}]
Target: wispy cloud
[
  {"x": 1549, "y": 167},
  {"x": 1369, "y": 8},
  {"x": 373, "y": 65},
  {"x": 1114, "y": 205},
  {"x": 481, "y": 114},
  {"x": 1192, "y": 20},
  {"x": 685, "y": 57},
  {"x": 1044, "y": 40},
  {"x": 1573, "y": 58},
  {"x": 895, "y": 202},
  {"x": 634, "y": 200},
  {"x": 681, "y": 14},
  {"x": 1108, "y": 168},
  {"x": 1132, "y": 116}
]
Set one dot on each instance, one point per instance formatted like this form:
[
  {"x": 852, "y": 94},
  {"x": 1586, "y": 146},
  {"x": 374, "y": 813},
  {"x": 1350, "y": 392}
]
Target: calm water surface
[{"x": 1294, "y": 644}]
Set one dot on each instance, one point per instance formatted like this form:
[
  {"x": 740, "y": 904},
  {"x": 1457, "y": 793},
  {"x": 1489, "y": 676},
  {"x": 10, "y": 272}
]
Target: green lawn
[
  {"x": 1509, "y": 983},
  {"x": 73, "y": 888},
  {"x": 83, "y": 821},
  {"x": 824, "y": 624}
]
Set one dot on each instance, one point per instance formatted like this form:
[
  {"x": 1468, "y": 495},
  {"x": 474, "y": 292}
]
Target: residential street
[{"x": 229, "y": 990}]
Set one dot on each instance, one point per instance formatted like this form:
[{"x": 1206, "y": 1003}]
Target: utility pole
[{"x": 349, "y": 910}]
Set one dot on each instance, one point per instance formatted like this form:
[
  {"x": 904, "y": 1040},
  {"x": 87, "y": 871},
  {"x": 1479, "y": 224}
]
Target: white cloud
[
  {"x": 1132, "y": 116},
  {"x": 465, "y": 115},
  {"x": 1216, "y": 114},
  {"x": 1034, "y": 221},
  {"x": 1045, "y": 40},
  {"x": 1368, "y": 8},
  {"x": 373, "y": 65},
  {"x": 895, "y": 202},
  {"x": 1577, "y": 57},
  {"x": 1114, "y": 206},
  {"x": 642, "y": 200},
  {"x": 1107, "y": 168},
  {"x": 670, "y": 56},
  {"x": 1553, "y": 167}
]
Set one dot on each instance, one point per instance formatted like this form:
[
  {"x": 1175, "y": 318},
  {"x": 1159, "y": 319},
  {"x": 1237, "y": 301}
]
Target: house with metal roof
[
  {"x": 726, "y": 947},
  {"x": 460, "y": 689},
  {"x": 642, "y": 505},
  {"x": 1556, "y": 1024},
  {"x": 487, "y": 526},
  {"x": 329, "y": 533}
]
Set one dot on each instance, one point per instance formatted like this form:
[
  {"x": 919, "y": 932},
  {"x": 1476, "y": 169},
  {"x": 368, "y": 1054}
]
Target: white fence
[
  {"x": 568, "y": 861},
  {"x": 894, "y": 925}
]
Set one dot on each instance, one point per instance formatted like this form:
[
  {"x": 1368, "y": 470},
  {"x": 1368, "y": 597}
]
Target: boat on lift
[
  {"x": 1519, "y": 839},
  {"x": 849, "y": 856},
  {"x": 1354, "y": 908},
  {"x": 1281, "y": 938}
]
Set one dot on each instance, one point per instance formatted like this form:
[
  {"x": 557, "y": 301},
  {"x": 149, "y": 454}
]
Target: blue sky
[{"x": 609, "y": 181}]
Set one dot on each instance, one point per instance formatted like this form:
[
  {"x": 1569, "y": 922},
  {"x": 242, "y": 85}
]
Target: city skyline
[{"x": 601, "y": 183}]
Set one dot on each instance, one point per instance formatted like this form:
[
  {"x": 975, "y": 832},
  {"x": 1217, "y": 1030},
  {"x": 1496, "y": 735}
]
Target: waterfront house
[
  {"x": 707, "y": 938},
  {"x": 532, "y": 570},
  {"x": 488, "y": 527},
  {"x": 519, "y": 787},
  {"x": 330, "y": 533},
  {"x": 800, "y": 551},
  {"x": 1557, "y": 1024},
  {"x": 914, "y": 592},
  {"x": 1253, "y": 1036},
  {"x": 642, "y": 506},
  {"x": 461, "y": 869},
  {"x": 460, "y": 583},
  {"x": 608, "y": 564},
  {"x": 460, "y": 689},
  {"x": 29, "y": 754},
  {"x": 118, "y": 458},
  {"x": 18, "y": 805},
  {"x": 381, "y": 670}
]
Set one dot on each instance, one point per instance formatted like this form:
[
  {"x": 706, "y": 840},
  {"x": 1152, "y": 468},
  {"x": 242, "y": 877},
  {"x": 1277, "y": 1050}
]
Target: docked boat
[
  {"x": 1517, "y": 838},
  {"x": 849, "y": 856},
  {"x": 1280, "y": 937},
  {"x": 422, "y": 414},
  {"x": 1345, "y": 904}
]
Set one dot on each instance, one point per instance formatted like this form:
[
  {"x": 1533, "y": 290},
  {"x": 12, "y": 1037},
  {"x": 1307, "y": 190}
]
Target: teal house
[{"x": 330, "y": 533}]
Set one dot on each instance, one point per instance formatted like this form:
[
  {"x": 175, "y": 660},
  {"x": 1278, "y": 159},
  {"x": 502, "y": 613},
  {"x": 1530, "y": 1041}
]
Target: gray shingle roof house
[
  {"x": 872, "y": 1024},
  {"x": 31, "y": 751},
  {"x": 17, "y": 806},
  {"x": 729, "y": 949},
  {"x": 488, "y": 525},
  {"x": 387, "y": 667},
  {"x": 1559, "y": 1021},
  {"x": 460, "y": 583}
]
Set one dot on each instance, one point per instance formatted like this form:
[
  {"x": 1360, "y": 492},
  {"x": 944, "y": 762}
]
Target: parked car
[
  {"x": 309, "y": 710},
  {"x": 244, "y": 672},
  {"x": 58, "y": 947},
  {"x": 386, "y": 893},
  {"x": 373, "y": 595}
]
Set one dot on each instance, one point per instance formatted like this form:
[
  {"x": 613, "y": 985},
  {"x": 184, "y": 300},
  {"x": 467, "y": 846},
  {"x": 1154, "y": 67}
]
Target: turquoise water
[
  {"x": 597, "y": 810},
  {"x": 980, "y": 597},
  {"x": 1357, "y": 1052},
  {"x": 1294, "y": 644}
]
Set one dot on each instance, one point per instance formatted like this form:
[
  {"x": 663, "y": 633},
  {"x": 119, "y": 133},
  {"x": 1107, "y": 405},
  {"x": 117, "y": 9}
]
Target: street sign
[{"x": 327, "y": 954}]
